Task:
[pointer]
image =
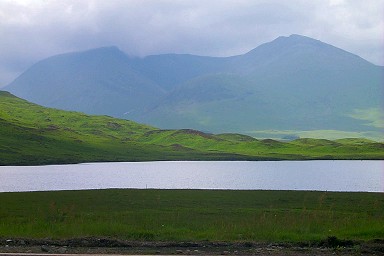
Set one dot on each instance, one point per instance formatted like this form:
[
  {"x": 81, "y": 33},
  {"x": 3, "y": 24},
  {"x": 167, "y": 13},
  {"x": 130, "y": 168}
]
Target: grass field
[{"x": 193, "y": 215}]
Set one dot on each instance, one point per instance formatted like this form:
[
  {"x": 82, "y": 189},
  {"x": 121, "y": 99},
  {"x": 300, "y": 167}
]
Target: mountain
[
  {"x": 284, "y": 88},
  {"x": 292, "y": 83},
  {"x": 99, "y": 81},
  {"x": 33, "y": 135}
]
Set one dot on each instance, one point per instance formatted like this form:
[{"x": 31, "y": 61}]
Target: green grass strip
[{"x": 193, "y": 215}]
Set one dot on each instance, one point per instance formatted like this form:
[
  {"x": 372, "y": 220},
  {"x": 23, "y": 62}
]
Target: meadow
[{"x": 193, "y": 215}]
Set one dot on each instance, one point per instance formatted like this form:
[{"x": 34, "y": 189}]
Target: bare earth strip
[
  {"x": 203, "y": 248},
  {"x": 50, "y": 254}
]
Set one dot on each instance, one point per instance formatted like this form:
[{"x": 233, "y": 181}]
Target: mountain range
[{"x": 287, "y": 88}]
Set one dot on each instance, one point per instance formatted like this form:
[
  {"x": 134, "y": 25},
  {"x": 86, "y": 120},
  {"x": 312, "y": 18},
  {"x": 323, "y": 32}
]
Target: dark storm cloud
[{"x": 31, "y": 30}]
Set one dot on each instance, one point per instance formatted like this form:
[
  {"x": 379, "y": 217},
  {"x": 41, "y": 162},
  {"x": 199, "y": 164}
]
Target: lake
[{"x": 265, "y": 175}]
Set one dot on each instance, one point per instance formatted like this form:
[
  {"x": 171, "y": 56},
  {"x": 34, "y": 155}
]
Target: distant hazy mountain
[
  {"x": 288, "y": 85},
  {"x": 99, "y": 81}
]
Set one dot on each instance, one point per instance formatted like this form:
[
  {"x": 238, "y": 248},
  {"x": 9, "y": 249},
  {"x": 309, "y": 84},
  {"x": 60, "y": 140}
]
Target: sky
[{"x": 31, "y": 30}]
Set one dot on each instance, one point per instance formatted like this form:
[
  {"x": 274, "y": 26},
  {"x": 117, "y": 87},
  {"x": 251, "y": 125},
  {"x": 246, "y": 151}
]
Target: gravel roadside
[{"x": 98, "y": 246}]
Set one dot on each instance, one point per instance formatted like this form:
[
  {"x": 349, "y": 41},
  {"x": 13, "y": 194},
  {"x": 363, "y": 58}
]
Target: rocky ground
[{"x": 330, "y": 246}]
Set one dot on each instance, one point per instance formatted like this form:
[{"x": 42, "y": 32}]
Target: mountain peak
[
  {"x": 78, "y": 56},
  {"x": 281, "y": 44},
  {"x": 294, "y": 39},
  {"x": 105, "y": 50},
  {"x": 111, "y": 48},
  {"x": 296, "y": 36},
  {"x": 303, "y": 49}
]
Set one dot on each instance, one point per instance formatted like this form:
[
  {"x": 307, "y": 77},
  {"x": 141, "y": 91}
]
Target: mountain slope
[
  {"x": 286, "y": 87},
  {"x": 171, "y": 70}
]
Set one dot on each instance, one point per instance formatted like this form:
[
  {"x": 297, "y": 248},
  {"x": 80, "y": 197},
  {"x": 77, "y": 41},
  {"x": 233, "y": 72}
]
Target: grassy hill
[
  {"x": 31, "y": 134},
  {"x": 35, "y": 135}
]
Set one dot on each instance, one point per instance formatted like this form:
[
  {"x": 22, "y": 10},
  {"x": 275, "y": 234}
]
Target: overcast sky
[{"x": 31, "y": 30}]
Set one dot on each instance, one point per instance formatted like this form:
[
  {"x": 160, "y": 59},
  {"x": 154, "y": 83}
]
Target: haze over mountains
[{"x": 281, "y": 88}]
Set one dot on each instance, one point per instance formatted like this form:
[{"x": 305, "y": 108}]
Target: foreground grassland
[
  {"x": 34, "y": 135},
  {"x": 193, "y": 215}
]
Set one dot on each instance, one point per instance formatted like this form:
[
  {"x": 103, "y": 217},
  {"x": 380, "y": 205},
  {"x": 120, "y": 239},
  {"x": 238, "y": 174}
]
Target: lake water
[{"x": 265, "y": 175}]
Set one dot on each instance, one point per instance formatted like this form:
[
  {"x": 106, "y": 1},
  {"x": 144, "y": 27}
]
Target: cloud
[{"x": 31, "y": 30}]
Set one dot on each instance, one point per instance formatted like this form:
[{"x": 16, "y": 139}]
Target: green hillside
[
  {"x": 31, "y": 134},
  {"x": 34, "y": 135}
]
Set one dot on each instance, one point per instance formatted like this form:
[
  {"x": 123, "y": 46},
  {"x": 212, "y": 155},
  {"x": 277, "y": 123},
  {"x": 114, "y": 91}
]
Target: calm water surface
[{"x": 281, "y": 175}]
